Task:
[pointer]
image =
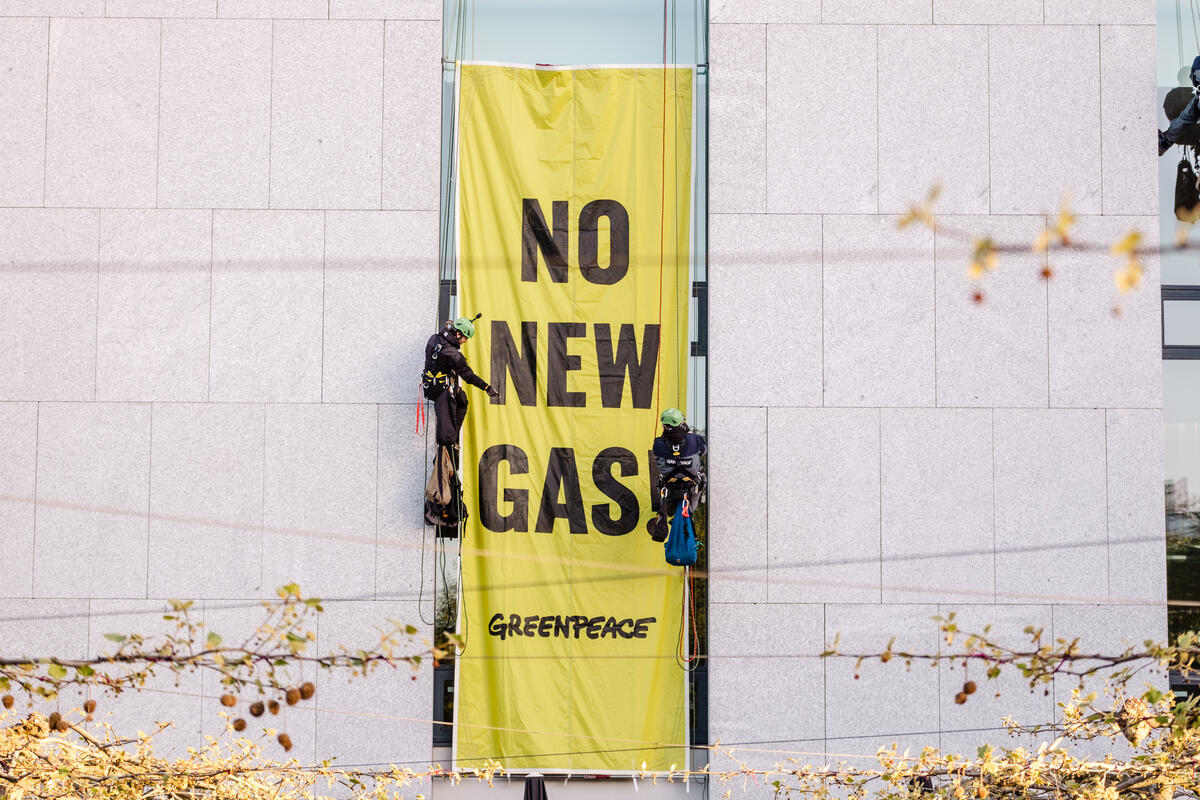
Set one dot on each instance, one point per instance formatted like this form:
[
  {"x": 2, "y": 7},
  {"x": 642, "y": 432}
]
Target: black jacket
[
  {"x": 442, "y": 357},
  {"x": 678, "y": 452}
]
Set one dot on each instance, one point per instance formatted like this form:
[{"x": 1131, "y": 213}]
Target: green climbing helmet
[
  {"x": 672, "y": 418},
  {"x": 465, "y": 327}
]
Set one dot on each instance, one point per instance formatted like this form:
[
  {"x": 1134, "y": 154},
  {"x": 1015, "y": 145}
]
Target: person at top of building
[
  {"x": 444, "y": 366},
  {"x": 678, "y": 454}
]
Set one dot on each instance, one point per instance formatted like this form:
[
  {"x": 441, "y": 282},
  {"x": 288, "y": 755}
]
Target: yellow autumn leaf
[
  {"x": 1065, "y": 219},
  {"x": 1042, "y": 243},
  {"x": 1127, "y": 244},
  {"x": 975, "y": 271}
]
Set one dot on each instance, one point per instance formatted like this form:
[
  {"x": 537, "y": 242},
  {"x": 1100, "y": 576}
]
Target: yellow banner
[{"x": 573, "y": 241}]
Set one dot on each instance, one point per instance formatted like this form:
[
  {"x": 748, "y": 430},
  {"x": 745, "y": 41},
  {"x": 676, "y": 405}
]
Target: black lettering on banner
[
  {"x": 561, "y": 363},
  {"x": 566, "y": 627},
  {"x": 618, "y": 242},
  {"x": 626, "y": 500},
  {"x": 613, "y": 370},
  {"x": 536, "y": 237},
  {"x": 489, "y": 511},
  {"x": 506, "y": 361},
  {"x": 561, "y": 476}
]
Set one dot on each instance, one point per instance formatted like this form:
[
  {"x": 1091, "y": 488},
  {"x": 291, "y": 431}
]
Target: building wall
[
  {"x": 218, "y": 239},
  {"x": 883, "y": 450},
  {"x": 218, "y": 232}
]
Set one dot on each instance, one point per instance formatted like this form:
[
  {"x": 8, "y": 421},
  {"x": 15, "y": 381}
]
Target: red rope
[
  {"x": 420, "y": 409},
  {"x": 689, "y": 590}
]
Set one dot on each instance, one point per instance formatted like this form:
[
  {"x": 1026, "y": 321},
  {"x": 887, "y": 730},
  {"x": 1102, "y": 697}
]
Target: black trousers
[{"x": 450, "y": 408}]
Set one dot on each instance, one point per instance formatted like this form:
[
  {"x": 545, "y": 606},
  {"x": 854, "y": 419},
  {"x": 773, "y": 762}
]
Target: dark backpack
[{"x": 1187, "y": 196}]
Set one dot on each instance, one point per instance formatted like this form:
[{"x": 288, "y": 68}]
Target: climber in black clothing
[
  {"x": 1188, "y": 117},
  {"x": 677, "y": 454},
  {"x": 444, "y": 365}
]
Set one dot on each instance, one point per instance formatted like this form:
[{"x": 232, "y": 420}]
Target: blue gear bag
[{"x": 681, "y": 543}]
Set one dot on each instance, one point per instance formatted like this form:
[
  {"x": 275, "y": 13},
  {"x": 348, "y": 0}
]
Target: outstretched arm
[{"x": 1189, "y": 116}]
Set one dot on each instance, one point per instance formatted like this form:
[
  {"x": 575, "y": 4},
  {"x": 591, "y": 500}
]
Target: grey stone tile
[
  {"x": 766, "y": 630},
  {"x": 762, "y": 11},
  {"x": 1050, "y": 502},
  {"x": 987, "y": 12},
  {"x": 746, "y": 709},
  {"x": 168, "y": 696},
  {"x": 878, "y": 313},
  {"x": 1100, "y": 12},
  {"x": 160, "y": 8},
  {"x": 765, "y": 267},
  {"x": 102, "y": 113},
  {"x": 154, "y": 305},
  {"x": 214, "y": 134},
  {"x": 991, "y": 353},
  {"x": 379, "y": 266},
  {"x": 967, "y": 742},
  {"x": 412, "y": 114},
  {"x": 904, "y": 736},
  {"x": 1136, "y": 549},
  {"x": 1108, "y": 630},
  {"x": 1127, "y": 107},
  {"x": 386, "y": 9},
  {"x": 379, "y": 718},
  {"x": 1043, "y": 142},
  {"x": 274, "y": 9},
  {"x": 823, "y": 505},
  {"x": 18, "y": 450},
  {"x": 46, "y": 8},
  {"x": 48, "y": 304},
  {"x": 925, "y": 138},
  {"x": 776, "y": 756},
  {"x": 877, "y": 12},
  {"x": 737, "y": 470},
  {"x": 938, "y": 541},
  {"x": 886, "y": 703},
  {"x": 235, "y": 622},
  {"x": 206, "y": 499},
  {"x": 737, "y": 119},
  {"x": 319, "y": 501},
  {"x": 266, "y": 306},
  {"x": 23, "y": 45},
  {"x": 326, "y": 115},
  {"x": 1096, "y": 357},
  {"x": 42, "y": 627},
  {"x": 406, "y": 550},
  {"x": 821, "y": 123},
  {"x": 980, "y": 720},
  {"x": 93, "y": 495}
]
